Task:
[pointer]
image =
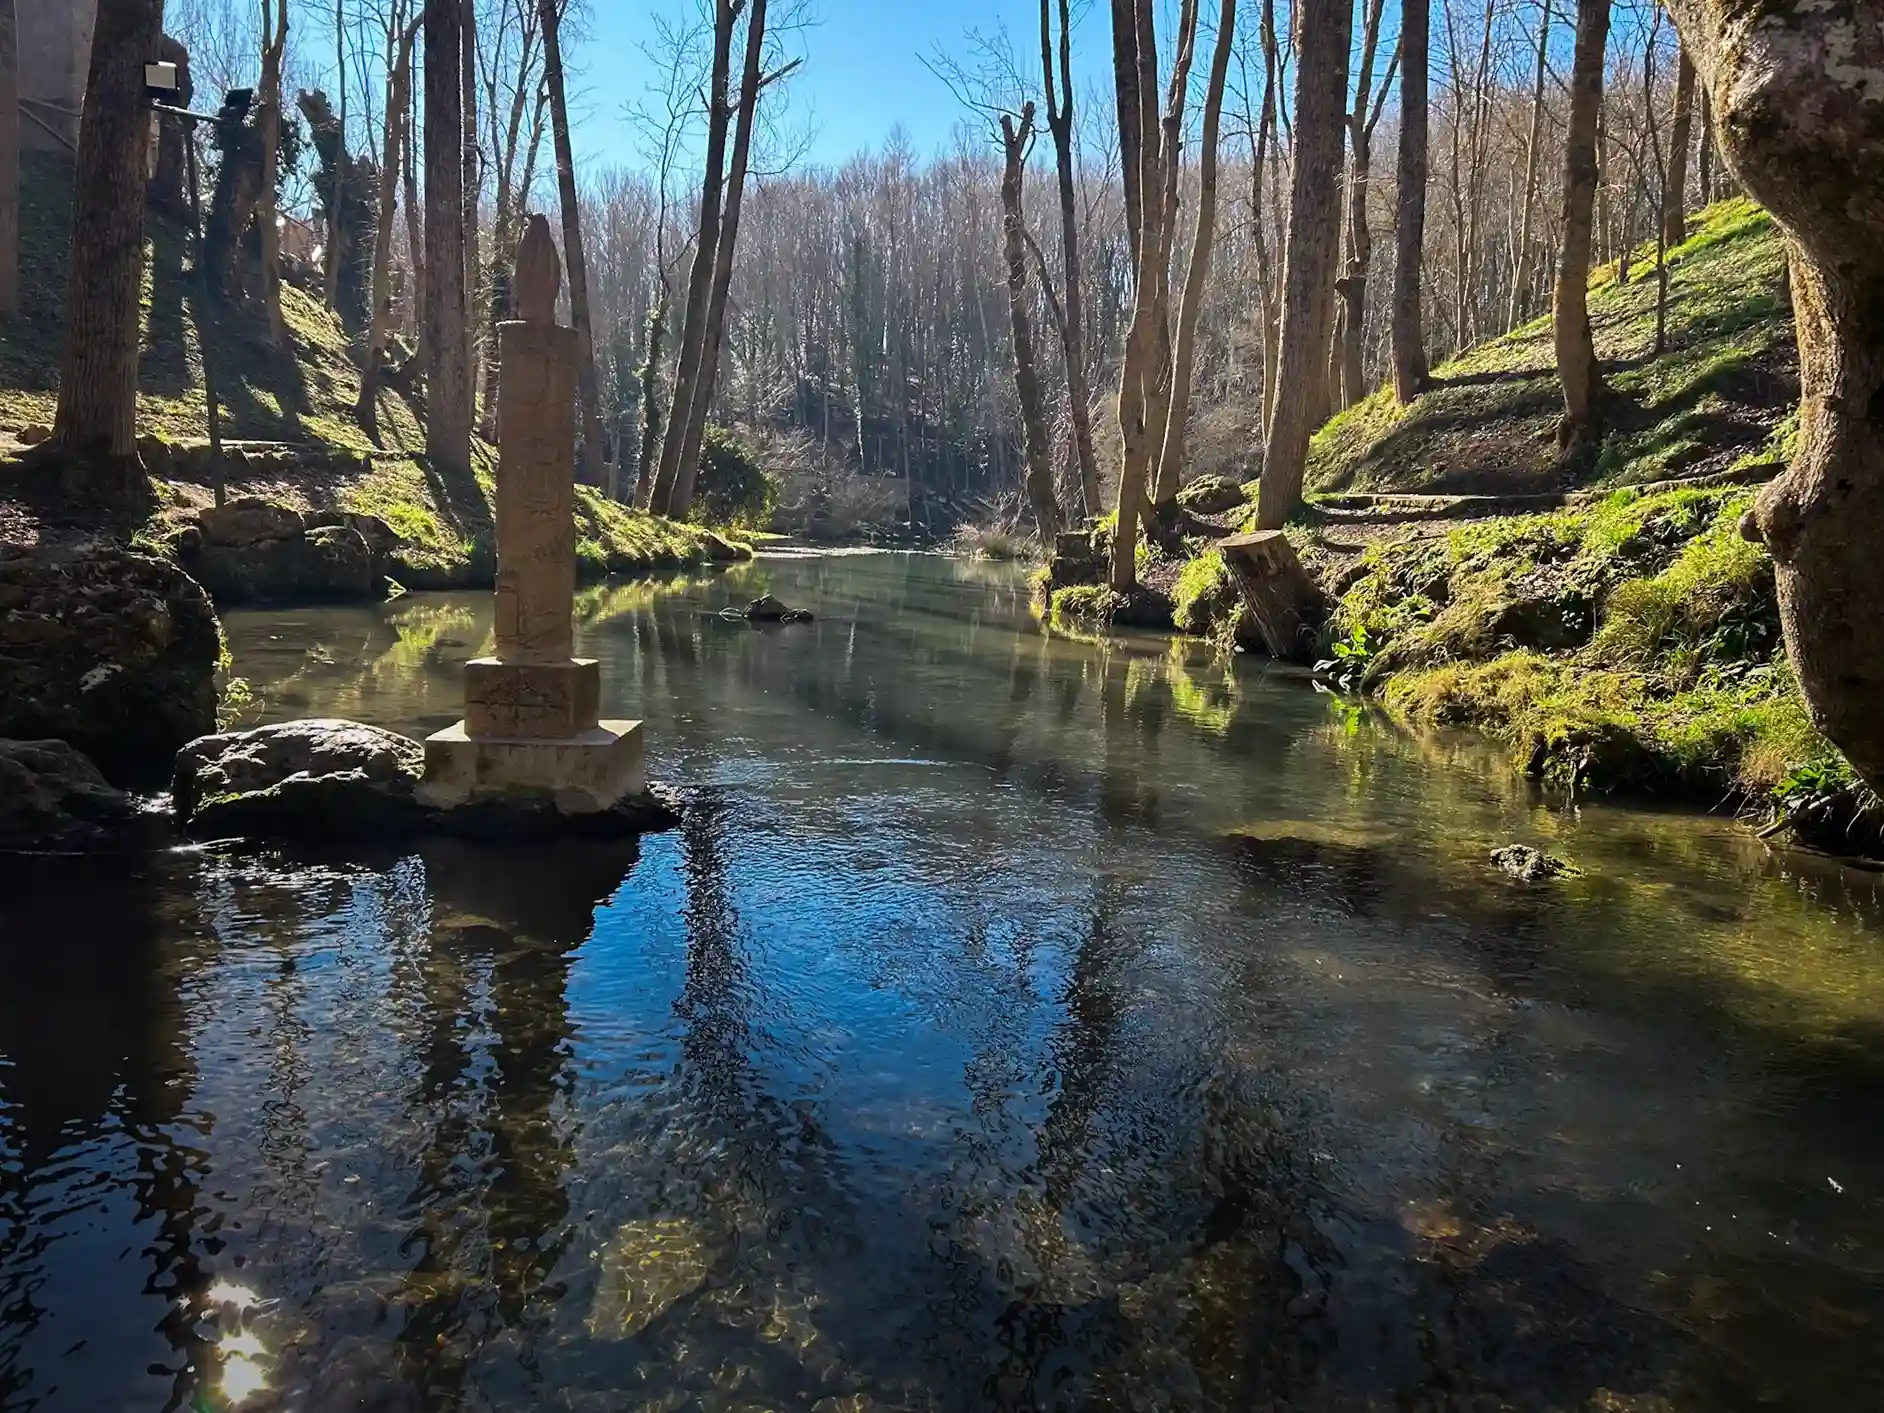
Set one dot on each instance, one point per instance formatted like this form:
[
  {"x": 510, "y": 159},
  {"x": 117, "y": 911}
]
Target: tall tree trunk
[
  {"x": 588, "y": 389},
  {"x": 9, "y": 161},
  {"x": 1351, "y": 386},
  {"x": 1521, "y": 274},
  {"x": 1409, "y": 323},
  {"x": 268, "y": 122},
  {"x": 475, "y": 290},
  {"x": 688, "y": 368},
  {"x": 336, "y": 215},
  {"x": 448, "y": 373},
  {"x": 1576, "y": 349},
  {"x": 398, "y": 106},
  {"x": 1134, "y": 135},
  {"x": 752, "y": 80},
  {"x": 504, "y": 218},
  {"x": 1321, "y": 87},
  {"x": 651, "y": 388},
  {"x": 415, "y": 228},
  {"x": 1680, "y": 138},
  {"x": 1161, "y": 480},
  {"x": 1802, "y": 126},
  {"x": 1015, "y": 140},
  {"x": 1172, "y": 455},
  {"x": 1073, "y": 325},
  {"x": 96, "y": 422}
]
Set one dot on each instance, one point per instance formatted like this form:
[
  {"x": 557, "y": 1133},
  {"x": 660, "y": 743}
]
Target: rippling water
[{"x": 1015, "y": 1023}]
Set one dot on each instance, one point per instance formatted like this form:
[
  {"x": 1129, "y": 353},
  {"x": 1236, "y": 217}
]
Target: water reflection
[{"x": 1015, "y": 1023}]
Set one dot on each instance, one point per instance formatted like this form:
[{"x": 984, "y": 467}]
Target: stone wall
[{"x": 55, "y": 53}]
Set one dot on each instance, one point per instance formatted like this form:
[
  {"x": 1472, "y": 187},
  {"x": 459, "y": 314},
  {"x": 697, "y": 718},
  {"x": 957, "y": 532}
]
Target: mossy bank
[{"x": 1616, "y": 631}]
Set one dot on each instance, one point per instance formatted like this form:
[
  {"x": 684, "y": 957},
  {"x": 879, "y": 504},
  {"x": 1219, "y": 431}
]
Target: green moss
[
  {"x": 1205, "y": 600},
  {"x": 1085, "y": 604}
]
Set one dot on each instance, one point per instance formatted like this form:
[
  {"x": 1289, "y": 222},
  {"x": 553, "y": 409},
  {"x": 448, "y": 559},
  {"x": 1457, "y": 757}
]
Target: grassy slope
[
  {"x": 304, "y": 397},
  {"x": 1630, "y": 641},
  {"x": 1726, "y": 383}
]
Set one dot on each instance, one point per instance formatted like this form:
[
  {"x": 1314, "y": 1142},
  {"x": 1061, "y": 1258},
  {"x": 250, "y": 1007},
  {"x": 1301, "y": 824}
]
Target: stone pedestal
[
  {"x": 531, "y": 734},
  {"x": 587, "y": 772}
]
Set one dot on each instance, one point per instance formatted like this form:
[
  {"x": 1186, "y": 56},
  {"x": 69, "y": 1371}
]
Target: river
[{"x": 1016, "y": 1022}]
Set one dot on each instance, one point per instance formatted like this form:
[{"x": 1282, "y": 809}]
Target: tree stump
[{"x": 1281, "y": 598}]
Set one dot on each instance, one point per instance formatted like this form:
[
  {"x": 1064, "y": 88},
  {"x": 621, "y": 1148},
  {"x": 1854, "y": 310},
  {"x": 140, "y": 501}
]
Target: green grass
[{"x": 1725, "y": 382}]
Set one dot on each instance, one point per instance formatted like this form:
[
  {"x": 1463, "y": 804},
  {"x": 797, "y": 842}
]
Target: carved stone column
[{"x": 532, "y": 711}]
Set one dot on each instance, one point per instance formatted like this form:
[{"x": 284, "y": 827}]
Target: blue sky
[{"x": 863, "y": 73}]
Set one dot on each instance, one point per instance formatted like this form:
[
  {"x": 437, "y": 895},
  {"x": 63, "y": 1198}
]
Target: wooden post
[{"x": 1281, "y": 598}]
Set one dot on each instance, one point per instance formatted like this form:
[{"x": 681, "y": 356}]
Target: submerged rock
[
  {"x": 334, "y": 780},
  {"x": 112, "y": 651},
  {"x": 53, "y": 798},
  {"x": 1530, "y": 865}
]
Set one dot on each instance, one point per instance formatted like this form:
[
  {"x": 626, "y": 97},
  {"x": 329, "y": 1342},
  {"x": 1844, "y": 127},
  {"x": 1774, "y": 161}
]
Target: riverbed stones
[
  {"x": 112, "y": 651},
  {"x": 53, "y": 798},
  {"x": 1529, "y": 865}
]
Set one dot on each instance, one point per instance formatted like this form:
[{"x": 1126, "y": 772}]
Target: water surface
[{"x": 1016, "y": 1023}]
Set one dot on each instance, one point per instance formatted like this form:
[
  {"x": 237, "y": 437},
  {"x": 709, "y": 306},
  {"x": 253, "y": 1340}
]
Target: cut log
[{"x": 1280, "y": 596}]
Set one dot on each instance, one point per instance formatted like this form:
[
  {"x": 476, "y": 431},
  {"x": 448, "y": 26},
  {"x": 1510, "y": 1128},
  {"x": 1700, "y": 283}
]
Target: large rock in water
[
  {"x": 301, "y": 780},
  {"x": 110, "y": 650},
  {"x": 341, "y": 780},
  {"x": 53, "y": 798}
]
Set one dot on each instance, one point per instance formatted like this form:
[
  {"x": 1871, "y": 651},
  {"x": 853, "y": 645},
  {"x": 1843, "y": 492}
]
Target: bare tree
[
  {"x": 448, "y": 372},
  {"x": 1353, "y": 286},
  {"x": 688, "y": 369},
  {"x": 1576, "y": 348},
  {"x": 1321, "y": 87},
  {"x": 1802, "y": 126},
  {"x": 1171, "y": 456},
  {"x": 268, "y": 121},
  {"x": 753, "y": 82},
  {"x": 1521, "y": 274},
  {"x": 1409, "y": 323},
  {"x": 1680, "y": 139},
  {"x": 588, "y": 394},
  {"x": 9, "y": 161},
  {"x": 96, "y": 422},
  {"x": 1057, "y": 73},
  {"x": 399, "y": 45},
  {"x": 1016, "y": 139}
]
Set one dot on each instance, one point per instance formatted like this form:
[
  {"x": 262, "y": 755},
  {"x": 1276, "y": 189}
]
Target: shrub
[{"x": 733, "y": 488}]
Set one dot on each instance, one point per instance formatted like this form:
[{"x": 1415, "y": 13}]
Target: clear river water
[{"x": 1016, "y": 1022}]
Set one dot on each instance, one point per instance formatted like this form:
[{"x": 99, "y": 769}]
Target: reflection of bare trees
[{"x": 489, "y": 1216}]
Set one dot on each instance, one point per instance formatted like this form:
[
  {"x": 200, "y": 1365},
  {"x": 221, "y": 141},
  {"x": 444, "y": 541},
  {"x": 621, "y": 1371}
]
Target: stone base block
[
  {"x": 534, "y": 701},
  {"x": 585, "y": 773}
]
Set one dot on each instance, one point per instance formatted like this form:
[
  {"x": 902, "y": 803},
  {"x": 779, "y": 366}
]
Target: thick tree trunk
[
  {"x": 9, "y": 161},
  {"x": 1801, "y": 122},
  {"x": 268, "y": 122},
  {"x": 1576, "y": 349},
  {"x": 168, "y": 192},
  {"x": 96, "y": 423},
  {"x": 1680, "y": 138},
  {"x": 415, "y": 229},
  {"x": 650, "y": 393},
  {"x": 1172, "y": 455},
  {"x": 1073, "y": 325},
  {"x": 398, "y": 106},
  {"x": 1409, "y": 322},
  {"x": 1321, "y": 87},
  {"x": 588, "y": 389},
  {"x": 448, "y": 372},
  {"x": 752, "y": 80},
  {"x": 475, "y": 290},
  {"x": 1015, "y": 140}
]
